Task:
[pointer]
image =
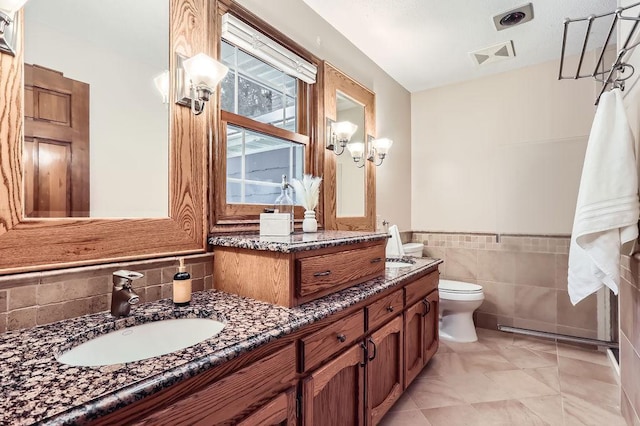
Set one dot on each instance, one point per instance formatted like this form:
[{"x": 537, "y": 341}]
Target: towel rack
[{"x": 611, "y": 77}]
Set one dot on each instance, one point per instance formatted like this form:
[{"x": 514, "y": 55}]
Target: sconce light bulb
[
  {"x": 162, "y": 85},
  {"x": 356, "y": 149},
  {"x": 343, "y": 131},
  {"x": 204, "y": 71},
  {"x": 382, "y": 146}
]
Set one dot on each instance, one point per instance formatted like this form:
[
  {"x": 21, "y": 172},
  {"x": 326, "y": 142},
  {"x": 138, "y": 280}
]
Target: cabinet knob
[
  {"x": 390, "y": 308},
  {"x": 427, "y": 305},
  {"x": 342, "y": 338}
]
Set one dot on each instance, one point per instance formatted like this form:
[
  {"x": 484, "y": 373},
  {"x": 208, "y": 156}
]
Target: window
[{"x": 266, "y": 122}]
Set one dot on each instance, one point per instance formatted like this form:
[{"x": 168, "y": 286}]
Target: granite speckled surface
[
  {"x": 35, "y": 388},
  {"x": 296, "y": 242}
]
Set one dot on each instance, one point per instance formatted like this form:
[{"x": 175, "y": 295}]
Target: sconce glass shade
[
  {"x": 11, "y": 6},
  {"x": 356, "y": 149},
  {"x": 162, "y": 85},
  {"x": 343, "y": 130},
  {"x": 204, "y": 71},
  {"x": 382, "y": 146}
]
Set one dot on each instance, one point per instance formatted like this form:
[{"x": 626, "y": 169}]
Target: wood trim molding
[
  {"x": 36, "y": 244},
  {"x": 335, "y": 80}
]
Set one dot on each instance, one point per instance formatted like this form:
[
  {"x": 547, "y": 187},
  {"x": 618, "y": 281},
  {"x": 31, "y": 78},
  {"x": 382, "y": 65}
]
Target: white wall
[
  {"x": 298, "y": 21},
  {"x": 129, "y": 126},
  {"x": 501, "y": 153}
]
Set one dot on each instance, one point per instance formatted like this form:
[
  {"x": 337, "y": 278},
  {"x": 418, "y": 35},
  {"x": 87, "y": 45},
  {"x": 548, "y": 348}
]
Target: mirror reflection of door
[
  {"x": 350, "y": 179},
  {"x": 56, "y": 149}
]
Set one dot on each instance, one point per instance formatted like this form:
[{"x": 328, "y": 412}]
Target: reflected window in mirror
[
  {"x": 96, "y": 127},
  {"x": 264, "y": 134}
]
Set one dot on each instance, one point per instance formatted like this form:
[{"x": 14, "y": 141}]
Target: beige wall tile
[
  {"x": 628, "y": 412},
  {"x": 154, "y": 276},
  {"x": 461, "y": 263},
  {"x": 491, "y": 321},
  {"x": 167, "y": 291},
  {"x": 562, "y": 270},
  {"x": 51, "y": 313},
  {"x": 208, "y": 282},
  {"x": 583, "y": 315},
  {"x": 499, "y": 298},
  {"x": 13, "y": 281},
  {"x": 51, "y": 293},
  {"x": 153, "y": 293},
  {"x": 22, "y": 318},
  {"x": 627, "y": 310},
  {"x": 535, "y": 325},
  {"x": 197, "y": 270},
  {"x": 627, "y": 374},
  {"x": 208, "y": 268},
  {"x": 535, "y": 303},
  {"x": 536, "y": 269},
  {"x": 3, "y": 322},
  {"x": 197, "y": 284},
  {"x": 22, "y": 297},
  {"x": 497, "y": 266},
  {"x": 3, "y": 301},
  {"x": 168, "y": 273},
  {"x": 578, "y": 332}
]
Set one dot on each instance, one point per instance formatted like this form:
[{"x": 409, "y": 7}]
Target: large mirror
[
  {"x": 96, "y": 125},
  {"x": 35, "y": 243},
  {"x": 350, "y": 179},
  {"x": 350, "y": 202}
]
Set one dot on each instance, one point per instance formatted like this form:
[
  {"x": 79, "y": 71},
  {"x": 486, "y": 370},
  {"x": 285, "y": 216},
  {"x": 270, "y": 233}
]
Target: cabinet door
[
  {"x": 384, "y": 370},
  {"x": 431, "y": 323},
  {"x": 413, "y": 342},
  {"x": 334, "y": 394},
  {"x": 280, "y": 411}
]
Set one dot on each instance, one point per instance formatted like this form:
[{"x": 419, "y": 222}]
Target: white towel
[
  {"x": 394, "y": 244},
  {"x": 607, "y": 209}
]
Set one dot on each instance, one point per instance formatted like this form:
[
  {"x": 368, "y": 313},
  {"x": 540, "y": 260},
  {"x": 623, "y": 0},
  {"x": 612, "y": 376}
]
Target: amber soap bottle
[{"x": 182, "y": 286}]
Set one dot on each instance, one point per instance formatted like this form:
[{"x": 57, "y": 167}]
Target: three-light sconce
[
  {"x": 339, "y": 135},
  {"x": 196, "y": 80},
  {"x": 8, "y": 26}
]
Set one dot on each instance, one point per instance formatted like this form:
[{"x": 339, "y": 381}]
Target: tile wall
[
  {"x": 40, "y": 298},
  {"x": 524, "y": 279},
  {"x": 630, "y": 339}
]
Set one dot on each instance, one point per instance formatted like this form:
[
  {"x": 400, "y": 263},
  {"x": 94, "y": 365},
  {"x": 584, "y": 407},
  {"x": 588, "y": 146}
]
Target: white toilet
[
  {"x": 413, "y": 249},
  {"x": 458, "y": 301}
]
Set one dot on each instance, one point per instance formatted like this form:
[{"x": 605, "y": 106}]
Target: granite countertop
[
  {"x": 36, "y": 388},
  {"x": 296, "y": 242}
]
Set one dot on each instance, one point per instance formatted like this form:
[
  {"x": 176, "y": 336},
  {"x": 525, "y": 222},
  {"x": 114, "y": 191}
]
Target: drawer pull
[
  {"x": 365, "y": 352},
  {"x": 375, "y": 349},
  {"x": 427, "y": 306},
  {"x": 322, "y": 274},
  {"x": 389, "y": 308},
  {"x": 342, "y": 338},
  {"x": 376, "y": 260}
]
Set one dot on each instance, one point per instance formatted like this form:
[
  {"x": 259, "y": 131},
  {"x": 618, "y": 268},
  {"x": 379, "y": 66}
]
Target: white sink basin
[
  {"x": 142, "y": 341},
  {"x": 395, "y": 265}
]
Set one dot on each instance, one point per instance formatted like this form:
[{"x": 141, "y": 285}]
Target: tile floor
[{"x": 511, "y": 380}]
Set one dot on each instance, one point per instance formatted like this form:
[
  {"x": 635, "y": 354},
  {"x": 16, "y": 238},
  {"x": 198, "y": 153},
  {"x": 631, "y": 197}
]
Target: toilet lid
[{"x": 458, "y": 287}]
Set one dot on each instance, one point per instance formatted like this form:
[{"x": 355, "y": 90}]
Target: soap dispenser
[{"x": 181, "y": 286}]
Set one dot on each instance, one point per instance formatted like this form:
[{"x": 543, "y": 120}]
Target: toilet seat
[{"x": 456, "y": 290}]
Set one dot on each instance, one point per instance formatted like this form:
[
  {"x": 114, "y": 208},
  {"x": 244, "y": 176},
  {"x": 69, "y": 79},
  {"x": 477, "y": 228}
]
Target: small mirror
[
  {"x": 350, "y": 179},
  {"x": 96, "y": 108}
]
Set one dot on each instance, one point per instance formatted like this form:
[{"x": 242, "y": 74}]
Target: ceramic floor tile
[
  {"x": 496, "y": 337},
  {"x": 548, "y": 408},
  {"x": 474, "y": 387},
  {"x": 483, "y": 361},
  {"x": 547, "y": 375},
  {"x": 578, "y": 412},
  {"x": 589, "y": 355},
  {"x": 404, "y": 418},
  {"x": 519, "y": 384},
  {"x": 460, "y": 415},
  {"x": 527, "y": 358},
  {"x": 465, "y": 347},
  {"x": 593, "y": 391},
  {"x": 507, "y": 413},
  {"x": 404, "y": 403},
  {"x": 586, "y": 369},
  {"x": 534, "y": 343},
  {"x": 432, "y": 393}
]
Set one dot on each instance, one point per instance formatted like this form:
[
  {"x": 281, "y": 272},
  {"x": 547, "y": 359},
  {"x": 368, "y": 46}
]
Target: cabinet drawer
[
  {"x": 421, "y": 287},
  {"x": 324, "y": 343},
  {"x": 384, "y": 309},
  {"x": 319, "y": 275}
]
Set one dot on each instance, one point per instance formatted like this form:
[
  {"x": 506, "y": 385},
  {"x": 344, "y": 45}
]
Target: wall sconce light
[
  {"x": 197, "y": 79},
  {"x": 356, "y": 149},
  {"x": 162, "y": 85},
  {"x": 339, "y": 134},
  {"x": 378, "y": 148},
  {"x": 8, "y": 29}
]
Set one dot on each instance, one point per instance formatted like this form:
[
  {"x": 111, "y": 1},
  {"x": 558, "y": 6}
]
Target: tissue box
[{"x": 276, "y": 224}]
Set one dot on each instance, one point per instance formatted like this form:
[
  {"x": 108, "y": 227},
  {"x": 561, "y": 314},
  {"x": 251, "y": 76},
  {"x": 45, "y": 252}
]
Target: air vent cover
[
  {"x": 513, "y": 17},
  {"x": 495, "y": 53}
]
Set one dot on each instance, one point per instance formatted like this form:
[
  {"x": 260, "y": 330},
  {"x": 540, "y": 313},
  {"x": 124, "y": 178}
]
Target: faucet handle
[{"x": 124, "y": 277}]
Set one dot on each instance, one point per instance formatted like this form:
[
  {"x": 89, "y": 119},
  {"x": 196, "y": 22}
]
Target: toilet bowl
[
  {"x": 413, "y": 249},
  {"x": 458, "y": 301}
]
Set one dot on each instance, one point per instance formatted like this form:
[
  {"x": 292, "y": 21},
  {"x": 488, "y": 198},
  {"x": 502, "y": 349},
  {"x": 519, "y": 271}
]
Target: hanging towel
[
  {"x": 394, "y": 245},
  {"x": 607, "y": 209}
]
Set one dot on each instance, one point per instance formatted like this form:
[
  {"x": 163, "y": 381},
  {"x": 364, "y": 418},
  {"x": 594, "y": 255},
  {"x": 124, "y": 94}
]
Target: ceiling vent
[
  {"x": 495, "y": 53},
  {"x": 513, "y": 17}
]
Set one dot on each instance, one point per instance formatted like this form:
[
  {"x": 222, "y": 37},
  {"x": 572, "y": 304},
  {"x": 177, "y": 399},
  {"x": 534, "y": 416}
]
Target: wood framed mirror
[
  {"x": 349, "y": 191},
  {"x": 32, "y": 244}
]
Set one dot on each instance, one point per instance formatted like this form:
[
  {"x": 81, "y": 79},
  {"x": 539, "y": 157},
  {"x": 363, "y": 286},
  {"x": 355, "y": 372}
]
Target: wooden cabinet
[
  {"x": 420, "y": 335},
  {"x": 384, "y": 309},
  {"x": 280, "y": 411},
  {"x": 384, "y": 369},
  {"x": 334, "y": 394}
]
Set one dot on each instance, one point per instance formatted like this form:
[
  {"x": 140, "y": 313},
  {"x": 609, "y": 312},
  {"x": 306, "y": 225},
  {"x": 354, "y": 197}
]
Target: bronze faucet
[{"x": 122, "y": 295}]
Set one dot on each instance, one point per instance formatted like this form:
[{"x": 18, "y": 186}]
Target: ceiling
[{"x": 427, "y": 43}]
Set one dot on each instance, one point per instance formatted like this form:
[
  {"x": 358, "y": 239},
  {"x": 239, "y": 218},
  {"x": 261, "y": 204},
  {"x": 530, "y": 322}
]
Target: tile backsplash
[
  {"x": 40, "y": 298},
  {"x": 524, "y": 279}
]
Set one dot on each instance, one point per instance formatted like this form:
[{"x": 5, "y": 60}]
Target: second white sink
[{"x": 142, "y": 341}]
